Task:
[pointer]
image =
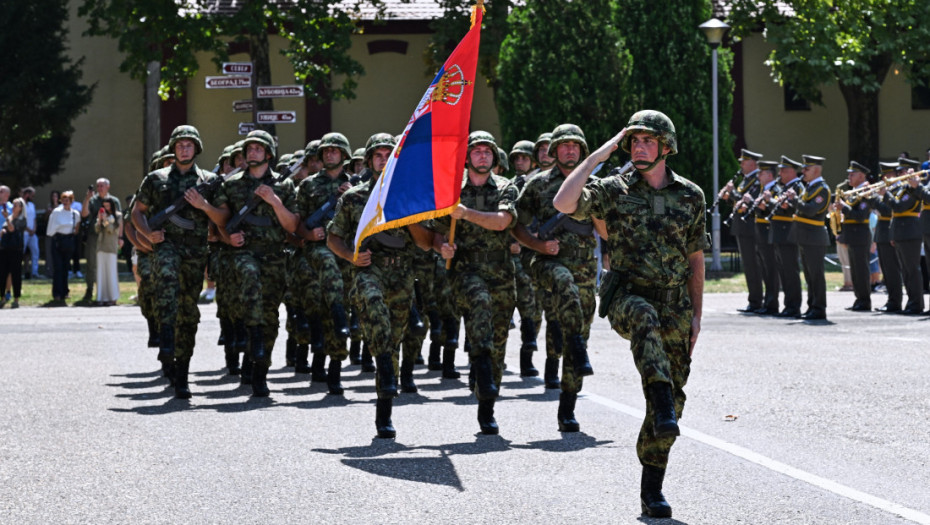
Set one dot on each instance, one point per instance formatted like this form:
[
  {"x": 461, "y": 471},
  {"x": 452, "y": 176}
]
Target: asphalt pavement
[{"x": 786, "y": 422}]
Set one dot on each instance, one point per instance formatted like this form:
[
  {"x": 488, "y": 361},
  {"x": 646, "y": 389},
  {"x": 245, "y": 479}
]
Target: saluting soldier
[
  {"x": 743, "y": 228},
  {"x": 781, "y": 215},
  {"x": 179, "y": 249},
  {"x": 907, "y": 237},
  {"x": 383, "y": 283},
  {"x": 810, "y": 232},
  {"x": 481, "y": 276},
  {"x": 654, "y": 223},
  {"x": 563, "y": 265},
  {"x": 887, "y": 258},
  {"x": 858, "y": 235},
  {"x": 263, "y": 203}
]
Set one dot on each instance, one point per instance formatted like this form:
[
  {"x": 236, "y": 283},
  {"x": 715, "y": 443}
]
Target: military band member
[
  {"x": 481, "y": 275},
  {"x": 786, "y": 249},
  {"x": 179, "y": 253},
  {"x": 654, "y": 222},
  {"x": 887, "y": 258},
  {"x": 563, "y": 265},
  {"x": 857, "y": 235},
  {"x": 810, "y": 232},
  {"x": 907, "y": 237},
  {"x": 920, "y": 189},
  {"x": 744, "y": 230},
  {"x": 765, "y": 249}
]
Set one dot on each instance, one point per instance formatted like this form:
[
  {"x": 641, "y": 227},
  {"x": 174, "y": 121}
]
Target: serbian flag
[{"x": 423, "y": 177}]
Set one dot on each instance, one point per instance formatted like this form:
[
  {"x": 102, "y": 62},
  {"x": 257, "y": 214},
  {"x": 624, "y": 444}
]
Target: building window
[
  {"x": 794, "y": 101},
  {"x": 387, "y": 46},
  {"x": 920, "y": 97}
]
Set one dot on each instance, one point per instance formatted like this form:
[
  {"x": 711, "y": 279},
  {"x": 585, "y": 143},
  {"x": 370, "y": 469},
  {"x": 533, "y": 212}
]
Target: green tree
[
  {"x": 853, "y": 44},
  {"x": 671, "y": 73},
  {"x": 172, "y": 33},
  {"x": 40, "y": 91},
  {"x": 562, "y": 62}
]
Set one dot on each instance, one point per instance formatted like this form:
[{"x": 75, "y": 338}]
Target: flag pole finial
[{"x": 474, "y": 11}]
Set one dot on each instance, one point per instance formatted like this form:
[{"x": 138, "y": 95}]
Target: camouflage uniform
[
  {"x": 651, "y": 233},
  {"x": 568, "y": 278},
  {"x": 179, "y": 261}
]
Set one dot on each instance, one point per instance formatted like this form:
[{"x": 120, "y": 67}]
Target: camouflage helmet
[
  {"x": 654, "y": 122},
  {"x": 483, "y": 137},
  {"x": 236, "y": 149},
  {"x": 358, "y": 154},
  {"x": 227, "y": 153},
  {"x": 284, "y": 161},
  {"x": 542, "y": 139},
  {"x": 378, "y": 140},
  {"x": 260, "y": 136},
  {"x": 312, "y": 149},
  {"x": 337, "y": 140},
  {"x": 567, "y": 133},
  {"x": 502, "y": 159},
  {"x": 524, "y": 147},
  {"x": 186, "y": 132}
]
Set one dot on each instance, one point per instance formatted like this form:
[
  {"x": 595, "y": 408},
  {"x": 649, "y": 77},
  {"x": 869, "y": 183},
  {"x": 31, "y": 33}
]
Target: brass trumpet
[{"x": 867, "y": 191}]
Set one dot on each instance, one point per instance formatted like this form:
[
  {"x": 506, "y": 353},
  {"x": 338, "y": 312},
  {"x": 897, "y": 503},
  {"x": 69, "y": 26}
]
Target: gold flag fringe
[{"x": 371, "y": 228}]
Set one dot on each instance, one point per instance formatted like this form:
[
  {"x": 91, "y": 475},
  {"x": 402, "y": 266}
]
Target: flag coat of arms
[{"x": 423, "y": 176}]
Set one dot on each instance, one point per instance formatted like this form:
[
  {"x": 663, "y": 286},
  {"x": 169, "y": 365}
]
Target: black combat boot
[
  {"x": 407, "y": 385},
  {"x": 665, "y": 423},
  {"x": 181, "y": 390},
  {"x": 448, "y": 363},
  {"x": 245, "y": 374},
  {"x": 153, "y": 333},
  {"x": 567, "y": 421},
  {"x": 486, "y": 417},
  {"x": 368, "y": 364},
  {"x": 552, "y": 373},
  {"x": 227, "y": 338},
  {"x": 484, "y": 377},
  {"x": 383, "y": 418},
  {"x": 301, "y": 366},
  {"x": 318, "y": 367},
  {"x": 242, "y": 336},
  {"x": 290, "y": 352},
  {"x": 232, "y": 361},
  {"x": 434, "y": 361},
  {"x": 221, "y": 340},
  {"x": 340, "y": 323},
  {"x": 257, "y": 344},
  {"x": 528, "y": 346},
  {"x": 334, "y": 378},
  {"x": 355, "y": 352},
  {"x": 259, "y": 382},
  {"x": 415, "y": 322},
  {"x": 387, "y": 382},
  {"x": 579, "y": 351},
  {"x": 650, "y": 493},
  {"x": 166, "y": 343}
]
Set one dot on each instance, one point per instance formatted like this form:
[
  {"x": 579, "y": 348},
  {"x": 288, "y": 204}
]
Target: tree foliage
[
  {"x": 672, "y": 73},
  {"x": 562, "y": 62},
  {"x": 853, "y": 44},
  {"x": 171, "y": 32},
  {"x": 40, "y": 91}
]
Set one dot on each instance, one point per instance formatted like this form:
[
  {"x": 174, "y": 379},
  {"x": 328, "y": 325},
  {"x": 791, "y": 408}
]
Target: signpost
[
  {"x": 277, "y": 117},
  {"x": 280, "y": 91},
  {"x": 242, "y": 106},
  {"x": 237, "y": 68},
  {"x": 246, "y": 127},
  {"x": 228, "y": 82}
]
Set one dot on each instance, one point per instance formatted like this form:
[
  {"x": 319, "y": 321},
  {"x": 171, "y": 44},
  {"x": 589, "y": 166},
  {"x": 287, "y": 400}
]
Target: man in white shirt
[{"x": 30, "y": 239}]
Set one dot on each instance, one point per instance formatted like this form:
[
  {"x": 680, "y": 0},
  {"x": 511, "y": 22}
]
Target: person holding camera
[{"x": 108, "y": 227}]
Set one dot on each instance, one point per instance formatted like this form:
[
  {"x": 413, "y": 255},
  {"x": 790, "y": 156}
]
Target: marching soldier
[
  {"x": 257, "y": 231},
  {"x": 179, "y": 249},
  {"x": 858, "y": 235},
  {"x": 907, "y": 237},
  {"x": 781, "y": 216},
  {"x": 564, "y": 264},
  {"x": 765, "y": 248},
  {"x": 654, "y": 223},
  {"x": 383, "y": 285},
  {"x": 810, "y": 232},
  {"x": 887, "y": 258},
  {"x": 481, "y": 276},
  {"x": 521, "y": 157},
  {"x": 745, "y": 232}
]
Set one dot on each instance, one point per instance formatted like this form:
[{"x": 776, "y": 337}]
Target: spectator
[
  {"x": 90, "y": 209},
  {"x": 7, "y": 208},
  {"x": 11, "y": 249},
  {"x": 108, "y": 227},
  {"x": 75, "y": 260},
  {"x": 63, "y": 226},
  {"x": 53, "y": 203},
  {"x": 30, "y": 239}
]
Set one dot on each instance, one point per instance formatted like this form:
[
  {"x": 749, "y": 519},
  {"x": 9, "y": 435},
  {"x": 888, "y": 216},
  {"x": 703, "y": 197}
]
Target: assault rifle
[
  {"x": 328, "y": 210},
  {"x": 180, "y": 204},
  {"x": 245, "y": 214}
]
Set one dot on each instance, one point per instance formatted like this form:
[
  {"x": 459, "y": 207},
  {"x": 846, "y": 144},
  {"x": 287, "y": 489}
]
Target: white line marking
[{"x": 771, "y": 464}]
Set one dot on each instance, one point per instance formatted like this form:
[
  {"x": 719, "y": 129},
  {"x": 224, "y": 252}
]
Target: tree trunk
[
  {"x": 862, "y": 110},
  {"x": 261, "y": 76}
]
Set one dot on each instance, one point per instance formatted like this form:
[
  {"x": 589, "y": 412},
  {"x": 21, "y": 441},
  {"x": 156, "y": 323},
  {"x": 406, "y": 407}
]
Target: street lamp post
[{"x": 714, "y": 30}]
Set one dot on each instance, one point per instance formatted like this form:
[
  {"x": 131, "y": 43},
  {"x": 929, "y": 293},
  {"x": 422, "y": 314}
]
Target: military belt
[
  {"x": 853, "y": 221},
  {"x": 659, "y": 295},
  {"x": 187, "y": 240},
  {"x": 760, "y": 220},
  {"x": 886, "y": 219},
  {"x": 784, "y": 218},
  {"x": 479, "y": 257},
  {"x": 805, "y": 220},
  {"x": 570, "y": 253},
  {"x": 906, "y": 214},
  {"x": 389, "y": 260}
]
